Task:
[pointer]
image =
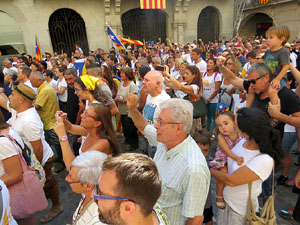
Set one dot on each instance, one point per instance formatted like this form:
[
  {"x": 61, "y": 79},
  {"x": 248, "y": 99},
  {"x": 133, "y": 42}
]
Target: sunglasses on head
[{"x": 253, "y": 81}]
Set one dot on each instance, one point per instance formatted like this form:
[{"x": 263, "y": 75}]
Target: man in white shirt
[
  {"x": 198, "y": 61},
  {"x": 23, "y": 77},
  {"x": 187, "y": 54},
  {"x": 179, "y": 160},
  {"x": 8, "y": 65},
  {"x": 26, "y": 122}
]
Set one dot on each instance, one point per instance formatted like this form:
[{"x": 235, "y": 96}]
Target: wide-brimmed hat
[{"x": 25, "y": 91}]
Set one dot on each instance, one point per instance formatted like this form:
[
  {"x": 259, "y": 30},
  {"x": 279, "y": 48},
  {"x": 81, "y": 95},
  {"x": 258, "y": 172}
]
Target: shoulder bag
[
  {"x": 266, "y": 216},
  {"x": 27, "y": 197}
]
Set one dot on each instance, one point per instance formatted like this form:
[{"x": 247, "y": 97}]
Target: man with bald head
[
  {"x": 152, "y": 83},
  {"x": 46, "y": 105}
]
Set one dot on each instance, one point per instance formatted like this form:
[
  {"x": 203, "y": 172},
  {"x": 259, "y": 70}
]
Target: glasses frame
[
  {"x": 96, "y": 196},
  {"x": 253, "y": 81},
  {"x": 163, "y": 123},
  {"x": 86, "y": 114}
]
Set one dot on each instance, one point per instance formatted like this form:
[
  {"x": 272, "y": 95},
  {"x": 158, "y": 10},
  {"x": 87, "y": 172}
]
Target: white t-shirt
[
  {"x": 53, "y": 83},
  {"x": 6, "y": 208},
  {"x": 202, "y": 66},
  {"x": 152, "y": 109},
  {"x": 175, "y": 73},
  {"x": 237, "y": 102},
  {"x": 187, "y": 57},
  {"x": 237, "y": 197},
  {"x": 12, "y": 68},
  {"x": 209, "y": 85},
  {"x": 64, "y": 96},
  {"x": 29, "y": 126}
]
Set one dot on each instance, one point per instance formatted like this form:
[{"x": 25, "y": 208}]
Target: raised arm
[
  {"x": 228, "y": 75},
  {"x": 138, "y": 119},
  {"x": 176, "y": 85}
]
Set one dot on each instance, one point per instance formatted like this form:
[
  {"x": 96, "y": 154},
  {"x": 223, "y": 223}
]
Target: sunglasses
[{"x": 253, "y": 81}]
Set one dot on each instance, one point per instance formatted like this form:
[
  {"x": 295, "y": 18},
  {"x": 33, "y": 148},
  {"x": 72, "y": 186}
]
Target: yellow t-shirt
[{"x": 47, "y": 100}]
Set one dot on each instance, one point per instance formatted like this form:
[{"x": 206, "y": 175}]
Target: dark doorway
[
  {"x": 66, "y": 29},
  {"x": 209, "y": 24},
  {"x": 147, "y": 24}
]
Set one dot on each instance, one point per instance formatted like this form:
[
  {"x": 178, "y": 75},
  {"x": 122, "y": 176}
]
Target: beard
[{"x": 112, "y": 216}]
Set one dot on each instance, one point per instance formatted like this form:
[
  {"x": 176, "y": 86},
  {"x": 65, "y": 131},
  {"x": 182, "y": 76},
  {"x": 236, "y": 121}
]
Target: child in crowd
[
  {"x": 203, "y": 139},
  {"x": 277, "y": 58},
  {"x": 228, "y": 137}
]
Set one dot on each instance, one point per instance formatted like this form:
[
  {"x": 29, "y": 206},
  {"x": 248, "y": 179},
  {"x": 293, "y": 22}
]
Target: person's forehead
[
  {"x": 107, "y": 181},
  {"x": 166, "y": 113}
]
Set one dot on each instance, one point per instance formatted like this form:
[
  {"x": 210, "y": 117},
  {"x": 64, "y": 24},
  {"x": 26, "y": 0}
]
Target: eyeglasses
[
  {"x": 72, "y": 182},
  {"x": 253, "y": 81},
  {"x": 77, "y": 89},
  {"x": 98, "y": 195},
  {"x": 228, "y": 63},
  {"x": 86, "y": 114},
  {"x": 163, "y": 123}
]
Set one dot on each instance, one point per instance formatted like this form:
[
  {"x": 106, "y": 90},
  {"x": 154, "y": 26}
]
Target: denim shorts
[
  {"x": 267, "y": 187},
  {"x": 288, "y": 140}
]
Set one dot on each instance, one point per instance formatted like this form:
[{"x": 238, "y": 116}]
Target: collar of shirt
[
  {"x": 177, "y": 149},
  {"x": 42, "y": 86}
]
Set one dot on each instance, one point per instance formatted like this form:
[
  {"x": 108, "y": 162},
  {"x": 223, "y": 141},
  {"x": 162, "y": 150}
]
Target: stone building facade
[
  {"x": 21, "y": 20},
  {"x": 257, "y": 18}
]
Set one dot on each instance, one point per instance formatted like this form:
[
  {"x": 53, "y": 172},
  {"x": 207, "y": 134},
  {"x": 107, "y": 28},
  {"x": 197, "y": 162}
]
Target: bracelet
[{"x": 63, "y": 139}]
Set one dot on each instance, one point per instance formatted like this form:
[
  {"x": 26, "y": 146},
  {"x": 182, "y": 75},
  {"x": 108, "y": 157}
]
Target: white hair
[
  {"x": 11, "y": 72},
  {"x": 89, "y": 166},
  {"x": 182, "y": 112}
]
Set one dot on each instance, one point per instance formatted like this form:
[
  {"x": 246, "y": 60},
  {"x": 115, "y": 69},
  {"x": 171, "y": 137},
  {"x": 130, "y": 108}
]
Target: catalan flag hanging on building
[
  {"x": 38, "y": 54},
  {"x": 114, "y": 38},
  {"x": 263, "y": 2},
  {"x": 153, "y": 4},
  {"x": 130, "y": 41}
]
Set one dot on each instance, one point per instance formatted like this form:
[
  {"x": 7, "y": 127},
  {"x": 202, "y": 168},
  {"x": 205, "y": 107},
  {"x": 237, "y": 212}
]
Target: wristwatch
[{"x": 63, "y": 138}]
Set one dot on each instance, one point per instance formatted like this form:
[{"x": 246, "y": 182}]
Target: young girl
[{"x": 228, "y": 137}]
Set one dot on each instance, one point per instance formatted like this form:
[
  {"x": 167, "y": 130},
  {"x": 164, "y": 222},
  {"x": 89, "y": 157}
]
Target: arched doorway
[
  {"x": 11, "y": 36},
  {"x": 255, "y": 25},
  {"x": 147, "y": 24},
  {"x": 209, "y": 24},
  {"x": 66, "y": 29}
]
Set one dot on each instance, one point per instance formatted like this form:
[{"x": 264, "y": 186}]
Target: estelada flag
[
  {"x": 114, "y": 38},
  {"x": 263, "y": 2},
  {"x": 153, "y": 4},
  {"x": 130, "y": 41},
  {"x": 38, "y": 54}
]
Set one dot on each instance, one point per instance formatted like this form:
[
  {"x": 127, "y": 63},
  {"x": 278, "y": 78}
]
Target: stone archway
[
  {"x": 11, "y": 36},
  {"x": 144, "y": 24},
  {"x": 67, "y": 28},
  {"x": 209, "y": 24},
  {"x": 255, "y": 25}
]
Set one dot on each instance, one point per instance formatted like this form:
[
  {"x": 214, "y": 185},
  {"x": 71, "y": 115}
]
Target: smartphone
[{"x": 159, "y": 68}]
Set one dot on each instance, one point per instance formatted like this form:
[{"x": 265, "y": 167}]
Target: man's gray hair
[
  {"x": 182, "y": 112},
  {"x": 157, "y": 59},
  {"x": 97, "y": 70},
  {"x": 38, "y": 75},
  {"x": 142, "y": 59},
  {"x": 11, "y": 72},
  {"x": 7, "y": 60},
  {"x": 262, "y": 69},
  {"x": 89, "y": 166}
]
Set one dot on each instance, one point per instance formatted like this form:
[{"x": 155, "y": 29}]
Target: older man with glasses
[{"x": 180, "y": 162}]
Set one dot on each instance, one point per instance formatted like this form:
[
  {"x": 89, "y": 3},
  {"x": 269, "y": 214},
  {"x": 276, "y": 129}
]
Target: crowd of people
[{"x": 176, "y": 99}]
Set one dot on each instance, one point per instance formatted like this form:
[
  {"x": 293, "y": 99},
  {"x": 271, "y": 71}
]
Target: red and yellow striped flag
[
  {"x": 130, "y": 41},
  {"x": 38, "y": 54},
  {"x": 153, "y": 4},
  {"x": 263, "y": 2}
]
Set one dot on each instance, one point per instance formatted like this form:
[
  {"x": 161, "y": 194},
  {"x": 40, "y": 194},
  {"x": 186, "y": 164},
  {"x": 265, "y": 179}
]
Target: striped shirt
[{"x": 185, "y": 178}]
